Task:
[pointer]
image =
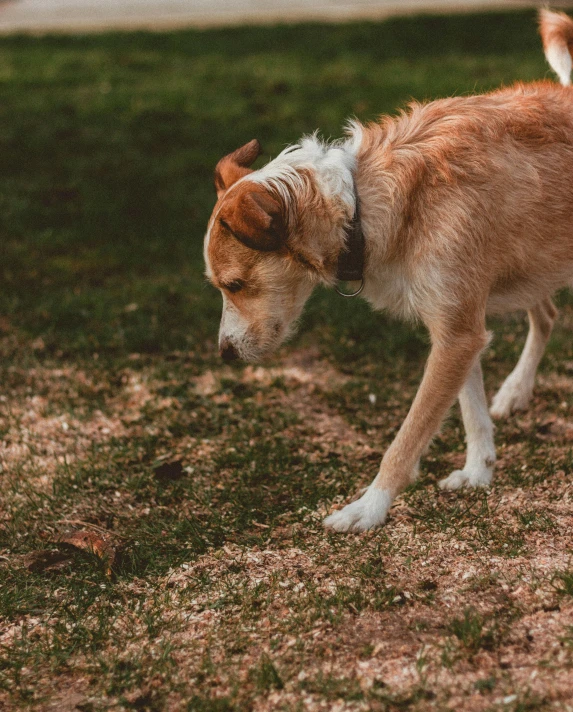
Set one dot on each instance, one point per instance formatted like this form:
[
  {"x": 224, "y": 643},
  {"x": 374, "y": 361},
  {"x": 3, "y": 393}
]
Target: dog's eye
[{"x": 235, "y": 286}]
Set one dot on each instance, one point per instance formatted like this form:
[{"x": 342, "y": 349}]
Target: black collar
[{"x": 351, "y": 259}]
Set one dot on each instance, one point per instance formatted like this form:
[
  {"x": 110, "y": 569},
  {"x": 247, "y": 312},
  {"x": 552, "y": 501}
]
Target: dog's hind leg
[
  {"x": 517, "y": 389},
  {"x": 451, "y": 360},
  {"x": 480, "y": 458}
]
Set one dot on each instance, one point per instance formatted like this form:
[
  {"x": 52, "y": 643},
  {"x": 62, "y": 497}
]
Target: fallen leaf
[{"x": 90, "y": 542}]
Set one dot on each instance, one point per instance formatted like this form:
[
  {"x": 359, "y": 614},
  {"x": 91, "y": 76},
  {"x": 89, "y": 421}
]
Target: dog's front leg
[{"x": 452, "y": 357}]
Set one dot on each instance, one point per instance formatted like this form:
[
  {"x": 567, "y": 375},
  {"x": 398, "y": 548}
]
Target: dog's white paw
[
  {"x": 513, "y": 395},
  {"x": 466, "y": 478},
  {"x": 368, "y": 512}
]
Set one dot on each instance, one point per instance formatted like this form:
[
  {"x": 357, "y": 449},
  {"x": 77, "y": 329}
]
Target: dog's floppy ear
[
  {"x": 235, "y": 165},
  {"x": 255, "y": 218}
]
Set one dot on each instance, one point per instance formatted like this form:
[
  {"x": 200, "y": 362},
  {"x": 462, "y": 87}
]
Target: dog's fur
[{"x": 467, "y": 209}]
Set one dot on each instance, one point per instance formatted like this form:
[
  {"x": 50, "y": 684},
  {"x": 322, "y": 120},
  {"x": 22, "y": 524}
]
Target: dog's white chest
[{"x": 390, "y": 288}]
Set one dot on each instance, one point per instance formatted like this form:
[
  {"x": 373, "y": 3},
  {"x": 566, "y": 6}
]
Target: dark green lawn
[{"x": 108, "y": 145}]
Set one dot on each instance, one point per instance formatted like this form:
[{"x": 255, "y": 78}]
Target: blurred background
[
  {"x": 109, "y": 139},
  {"x": 65, "y": 15}
]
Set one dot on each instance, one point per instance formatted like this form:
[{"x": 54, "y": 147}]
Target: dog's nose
[{"x": 228, "y": 352}]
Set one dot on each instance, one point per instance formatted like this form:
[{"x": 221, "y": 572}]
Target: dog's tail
[{"x": 557, "y": 34}]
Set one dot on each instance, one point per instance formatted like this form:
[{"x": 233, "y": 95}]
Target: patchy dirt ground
[
  {"x": 223, "y": 592},
  {"x": 161, "y": 545}
]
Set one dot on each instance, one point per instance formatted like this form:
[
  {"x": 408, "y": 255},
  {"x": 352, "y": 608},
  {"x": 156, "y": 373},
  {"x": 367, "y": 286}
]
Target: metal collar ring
[{"x": 354, "y": 294}]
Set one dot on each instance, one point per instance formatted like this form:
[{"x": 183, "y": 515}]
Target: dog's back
[{"x": 483, "y": 182}]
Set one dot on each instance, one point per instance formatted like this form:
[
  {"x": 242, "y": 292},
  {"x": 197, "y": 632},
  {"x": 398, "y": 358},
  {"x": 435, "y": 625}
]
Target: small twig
[{"x": 79, "y": 522}]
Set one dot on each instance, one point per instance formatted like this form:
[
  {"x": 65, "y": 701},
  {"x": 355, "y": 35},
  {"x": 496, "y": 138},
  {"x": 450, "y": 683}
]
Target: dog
[{"x": 454, "y": 209}]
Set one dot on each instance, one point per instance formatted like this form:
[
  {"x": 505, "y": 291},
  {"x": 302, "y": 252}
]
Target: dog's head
[{"x": 272, "y": 236}]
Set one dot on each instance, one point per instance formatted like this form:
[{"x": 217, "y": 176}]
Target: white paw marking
[
  {"x": 368, "y": 512},
  {"x": 512, "y": 396},
  {"x": 466, "y": 478}
]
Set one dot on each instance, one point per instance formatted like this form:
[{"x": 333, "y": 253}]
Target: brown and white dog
[{"x": 466, "y": 209}]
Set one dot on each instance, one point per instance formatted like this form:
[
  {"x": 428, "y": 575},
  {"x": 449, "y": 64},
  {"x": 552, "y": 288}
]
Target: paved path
[{"x": 94, "y": 15}]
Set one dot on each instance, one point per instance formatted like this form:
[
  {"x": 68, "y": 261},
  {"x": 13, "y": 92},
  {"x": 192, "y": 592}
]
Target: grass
[
  {"x": 472, "y": 632},
  {"x": 209, "y": 482}
]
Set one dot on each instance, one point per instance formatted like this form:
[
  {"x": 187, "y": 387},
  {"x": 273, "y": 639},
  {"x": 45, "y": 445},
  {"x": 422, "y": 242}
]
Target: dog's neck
[
  {"x": 315, "y": 181},
  {"x": 350, "y": 267}
]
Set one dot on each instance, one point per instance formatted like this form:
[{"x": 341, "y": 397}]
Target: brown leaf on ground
[{"x": 90, "y": 542}]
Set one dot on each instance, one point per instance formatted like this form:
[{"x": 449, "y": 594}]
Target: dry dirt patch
[{"x": 462, "y": 601}]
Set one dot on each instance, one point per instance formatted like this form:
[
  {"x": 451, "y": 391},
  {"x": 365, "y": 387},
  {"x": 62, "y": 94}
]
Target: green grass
[
  {"x": 225, "y": 591},
  {"x": 472, "y": 632},
  {"x": 109, "y": 143}
]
